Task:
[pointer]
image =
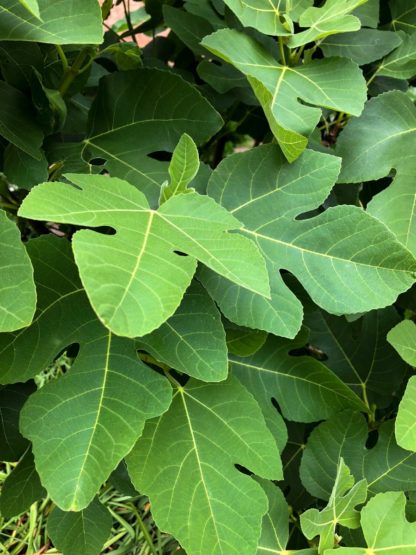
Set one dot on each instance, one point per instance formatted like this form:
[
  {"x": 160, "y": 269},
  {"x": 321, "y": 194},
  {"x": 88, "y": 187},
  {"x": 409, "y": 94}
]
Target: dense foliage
[{"x": 217, "y": 232}]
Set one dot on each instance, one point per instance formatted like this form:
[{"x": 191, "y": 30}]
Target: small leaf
[
  {"x": 68, "y": 22},
  {"x": 264, "y": 15},
  {"x": 406, "y": 418},
  {"x": 403, "y": 14},
  {"x": 185, "y": 461},
  {"x": 182, "y": 169},
  {"x": 23, "y": 170},
  {"x": 21, "y": 488},
  {"x": 385, "y": 527},
  {"x": 340, "y": 511},
  {"x": 81, "y": 533},
  {"x": 136, "y": 279},
  {"x": 401, "y": 64},
  {"x": 17, "y": 288},
  {"x": 193, "y": 339},
  {"x": 332, "y": 18},
  {"x": 403, "y": 338},
  {"x": 334, "y": 83}
]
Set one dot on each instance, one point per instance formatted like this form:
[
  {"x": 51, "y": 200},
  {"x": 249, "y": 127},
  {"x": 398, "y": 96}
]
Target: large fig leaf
[
  {"x": 304, "y": 388},
  {"x": 385, "y": 466},
  {"x": 57, "y": 22},
  {"x": 332, "y": 83},
  {"x": 335, "y": 255},
  {"x": 383, "y": 139},
  {"x": 83, "y": 424},
  {"x": 137, "y": 113},
  {"x": 136, "y": 278},
  {"x": 185, "y": 461},
  {"x": 17, "y": 288},
  {"x": 358, "y": 353}
]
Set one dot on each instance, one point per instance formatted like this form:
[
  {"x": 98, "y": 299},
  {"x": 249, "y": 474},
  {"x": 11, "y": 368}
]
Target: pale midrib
[
  {"x": 315, "y": 253},
  {"x": 106, "y": 372},
  {"x": 208, "y": 497}
]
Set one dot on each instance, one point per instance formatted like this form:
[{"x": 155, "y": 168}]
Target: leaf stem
[
  {"x": 63, "y": 57},
  {"x": 282, "y": 51},
  {"x": 128, "y": 19},
  {"x": 76, "y": 69}
]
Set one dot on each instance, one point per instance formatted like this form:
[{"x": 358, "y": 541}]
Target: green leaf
[
  {"x": 148, "y": 110},
  {"x": 363, "y": 46},
  {"x": 58, "y": 22},
  {"x": 332, "y": 18},
  {"x": 386, "y": 466},
  {"x": 23, "y": 170},
  {"x": 81, "y": 533},
  {"x": 401, "y": 64},
  {"x": 21, "y": 488},
  {"x": 334, "y": 255},
  {"x": 333, "y": 83},
  {"x": 403, "y": 14},
  {"x": 403, "y": 338},
  {"x": 385, "y": 527},
  {"x": 32, "y": 6},
  {"x": 374, "y": 144},
  {"x": 185, "y": 461},
  {"x": 193, "y": 339},
  {"x": 275, "y": 527},
  {"x": 264, "y": 15},
  {"x": 369, "y": 13},
  {"x": 84, "y": 423},
  {"x": 138, "y": 278},
  {"x": 12, "y": 399},
  {"x": 305, "y": 389},
  {"x": 340, "y": 510},
  {"x": 358, "y": 353},
  {"x": 182, "y": 169},
  {"x": 406, "y": 418},
  {"x": 17, "y": 122},
  {"x": 244, "y": 342},
  {"x": 17, "y": 289},
  {"x": 190, "y": 28}
]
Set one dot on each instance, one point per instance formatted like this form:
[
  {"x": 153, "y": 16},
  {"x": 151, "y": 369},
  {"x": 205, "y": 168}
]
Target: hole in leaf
[
  {"x": 179, "y": 253},
  {"x": 161, "y": 155},
  {"x": 372, "y": 439},
  {"x": 97, "y": 162},
  {"x": 243, "y": 470}
]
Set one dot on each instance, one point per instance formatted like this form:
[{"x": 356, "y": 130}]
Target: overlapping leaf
[
  {"x": 385, "y": 466},
  {"x": 58, "y": 22},
  {"x": 403, "y": 15},
  {"x": 381, "y": 140},
  {"x": 363, "y": 46},
  {"x": 83, "y": 424},
  {"x": 193, "y": 339},
  {"x": 386, "y": 528},
  {"x": 332, "y": 18},
  {"x": 137, "y": 113},
  {"x": 305, "y": 389},
  {"x": 21, "y": 488},
  {"x": 333, "y": 83},
  {"x": 185, "y": 462},
  {"x": 358, "y": 353},
  {"x": 275, "y": 527},
  {"x": 345, "y": 496},
  {"x": 136, "y": 279},
  {"x": 335, "y": 255},
  {"x": 267, "y": 16},
  {"x": 403, "y": 338},
  {"x": 401, "y": 64},
  {"x": 17, "y": 288},
  {"x": 12, "y": 399},
  {"x": 82, "y": 533}
]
